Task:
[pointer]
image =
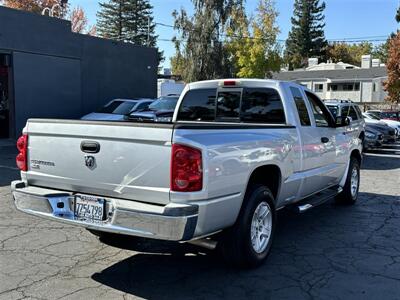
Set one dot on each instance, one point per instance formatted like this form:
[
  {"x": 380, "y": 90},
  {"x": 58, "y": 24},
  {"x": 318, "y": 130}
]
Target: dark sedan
[{"x": 160, "y": 111}]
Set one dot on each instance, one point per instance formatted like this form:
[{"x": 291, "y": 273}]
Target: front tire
[
  {"x": 349, "y": 194},
  {"x": 248, "y": 243}
]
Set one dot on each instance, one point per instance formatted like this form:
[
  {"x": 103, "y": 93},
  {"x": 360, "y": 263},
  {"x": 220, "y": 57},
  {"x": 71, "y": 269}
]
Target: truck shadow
[{"x": 306, "y": 248}]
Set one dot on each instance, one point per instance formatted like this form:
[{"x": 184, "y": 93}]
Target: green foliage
[
  {"x": 306, "y": 38},
  {"x": 382, "y": 51},
  {"x": 199, "y": 47},
  {"x": 128, "y": 21},
  {"x": 349, "y": 53},
  {"x": 258, "y": 55}
]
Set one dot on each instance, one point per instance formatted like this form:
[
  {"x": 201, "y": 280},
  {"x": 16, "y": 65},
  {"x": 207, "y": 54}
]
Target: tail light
[
  {"x": 186, "y": 169},
  {"x": 22, "y": 146}
]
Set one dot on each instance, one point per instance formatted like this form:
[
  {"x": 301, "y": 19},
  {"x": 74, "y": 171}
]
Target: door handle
[
  {"x": 324, "y": 140},
  {"x": 90, "y": 147}
]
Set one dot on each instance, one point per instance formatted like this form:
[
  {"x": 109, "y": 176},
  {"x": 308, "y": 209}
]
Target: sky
[{"x": 345, "y": 19}]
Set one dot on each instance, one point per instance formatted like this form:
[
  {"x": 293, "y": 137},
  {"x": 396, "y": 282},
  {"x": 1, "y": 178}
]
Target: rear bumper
[{"x": 175, "y": 222}]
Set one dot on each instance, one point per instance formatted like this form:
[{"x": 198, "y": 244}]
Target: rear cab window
[{"x": 238, "y": 105}]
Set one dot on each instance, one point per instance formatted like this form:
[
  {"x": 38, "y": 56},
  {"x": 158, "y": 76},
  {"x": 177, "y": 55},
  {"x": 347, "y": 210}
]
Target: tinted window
[
  {"x": 164, "y": 104},
  {"x": 353, "y": 114},
  {"x": 321, "y": 114},
  {"x": 358, "y": 110},
  {"x": 262, "y": 105},
  {"x": 198, "y": 105},
  {"x": 118, "y": 107},
  {"x": 345, "y": 111},
  {"x": 228, "y": 105},
  {"x": 143, "y": 106},
  {"x": 301, "y": 107},
  {"x": 333, "y": 109}
]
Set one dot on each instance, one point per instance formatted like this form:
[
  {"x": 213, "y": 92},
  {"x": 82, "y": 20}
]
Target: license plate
[{"x": 89, "y": 207}]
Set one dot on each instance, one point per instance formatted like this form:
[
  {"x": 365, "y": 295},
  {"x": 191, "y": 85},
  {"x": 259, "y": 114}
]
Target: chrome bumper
[{"x": 175, "y": 222}]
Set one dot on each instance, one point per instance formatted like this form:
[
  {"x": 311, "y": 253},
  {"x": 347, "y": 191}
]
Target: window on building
[
  {"x": 333, "y": 87},
  {"x": 351, "y": 86},
  {"x": 318, "y": 88},
  {"x": 262, "y": 105},
  {"x": 301, "y": 107}
]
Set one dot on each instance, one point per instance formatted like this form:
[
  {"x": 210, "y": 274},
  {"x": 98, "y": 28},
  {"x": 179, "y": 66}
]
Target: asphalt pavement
[{"x": 330, "y": 252}]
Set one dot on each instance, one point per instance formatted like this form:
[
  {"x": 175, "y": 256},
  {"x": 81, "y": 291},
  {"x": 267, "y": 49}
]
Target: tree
[
  {"x": 77, "y": 16},
  {"x": 306, "y": 38},
  {"x": 199, "y": 46},
  {"x": 35, "y": 6},
  {"x": 382, "y": 51},
  {"x": 256, "y": 56},
  {"x": 398, "y": 15},
  {"x": 392, "y": 85},
  {"x": 79, "y": 21},
  {"x": 128, "y": 21},
  {"x": 349, "y": 53}
]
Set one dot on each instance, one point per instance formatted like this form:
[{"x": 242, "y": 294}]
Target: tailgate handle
[{"x": 90, "y": 147}]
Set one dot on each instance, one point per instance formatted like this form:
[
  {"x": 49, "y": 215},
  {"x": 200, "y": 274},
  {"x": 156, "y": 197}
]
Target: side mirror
[{"x": 342, "y": 121}]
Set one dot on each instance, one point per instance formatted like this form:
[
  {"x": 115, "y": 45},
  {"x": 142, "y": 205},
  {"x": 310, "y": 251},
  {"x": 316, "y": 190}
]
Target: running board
[{"x": 316, "y": 200}]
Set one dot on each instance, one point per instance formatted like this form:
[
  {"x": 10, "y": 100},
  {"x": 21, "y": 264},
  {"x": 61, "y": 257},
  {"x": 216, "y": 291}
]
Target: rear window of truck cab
[{"x": 247, "y": 105}]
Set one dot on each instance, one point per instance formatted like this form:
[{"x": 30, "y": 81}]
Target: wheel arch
[{"x": 269, "y": 175}]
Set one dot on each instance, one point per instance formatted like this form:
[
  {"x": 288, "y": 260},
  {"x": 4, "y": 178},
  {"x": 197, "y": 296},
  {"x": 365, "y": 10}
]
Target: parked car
[
  {"x": 160, "y": 110},
  {"x": 235, "y": 152},
  {"x": 393, "y": 124},
  {"x": 117, "y": 109},
  {"x": 389, "y": 134},
  {"x": 373, "y": 138},
  {"x": 385, "y": 115},
  {"x": 347, "y": 108}
]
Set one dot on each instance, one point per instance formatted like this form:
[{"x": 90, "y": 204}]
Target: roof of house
[{"x": 350, "y": 74}]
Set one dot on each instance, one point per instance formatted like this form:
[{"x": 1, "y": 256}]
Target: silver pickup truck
[{"x": 235, "y": 152}]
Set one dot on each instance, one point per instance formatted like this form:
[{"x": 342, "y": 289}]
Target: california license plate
[{"x": 89, "y": 207}]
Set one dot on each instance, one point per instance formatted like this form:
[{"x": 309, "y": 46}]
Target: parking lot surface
[{"x": 330, "y": 252}]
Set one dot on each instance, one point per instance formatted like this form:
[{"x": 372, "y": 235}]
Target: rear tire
[
  {"x": 248, "y": 243},
  {"x": 349, "y": 194}
]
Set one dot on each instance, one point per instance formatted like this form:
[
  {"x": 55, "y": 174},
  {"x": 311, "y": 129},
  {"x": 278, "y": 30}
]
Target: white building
[{"x": 342, "y": 81}]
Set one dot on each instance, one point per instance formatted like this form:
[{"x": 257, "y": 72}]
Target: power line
[{"x": 371, "y": 39}]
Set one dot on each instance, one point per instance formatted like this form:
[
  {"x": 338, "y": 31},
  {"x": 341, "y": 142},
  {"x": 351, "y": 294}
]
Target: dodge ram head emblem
[{"x": 90, "y": 162}]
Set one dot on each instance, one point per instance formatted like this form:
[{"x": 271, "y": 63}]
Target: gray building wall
[{"x": 60, "y": 74}]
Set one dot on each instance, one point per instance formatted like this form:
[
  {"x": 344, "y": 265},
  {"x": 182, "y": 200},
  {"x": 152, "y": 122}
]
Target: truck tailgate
[{"x": 133, "y": 161}]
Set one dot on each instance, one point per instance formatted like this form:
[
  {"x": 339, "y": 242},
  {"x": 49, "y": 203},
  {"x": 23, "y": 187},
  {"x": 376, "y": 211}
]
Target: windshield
[
  {"x": 118, "y": 107},
  {"x": 371, "y": 116},
  {"x": 333, "y": 110},
  {"x": 164, "y": 104}
]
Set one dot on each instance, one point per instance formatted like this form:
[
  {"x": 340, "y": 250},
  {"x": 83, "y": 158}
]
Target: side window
[
  {"x": 321, "y": 114},
  {"x": 198, "y": 105},
  {"x": 228, "y": 105},
  {"x": 358, "y": 110},
  {"x": 345, "y": 111},
  {"x": 262, "y": 105},
  {"x": 353, "y": 114},
  {"x": 301, "y": 107},
  {"x": 143, "y": 106}
]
